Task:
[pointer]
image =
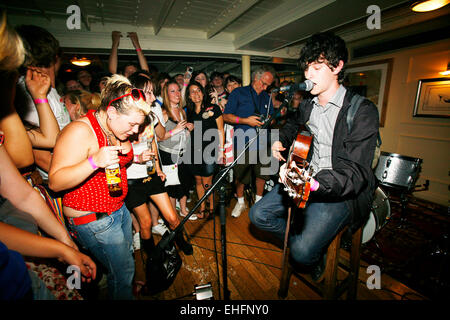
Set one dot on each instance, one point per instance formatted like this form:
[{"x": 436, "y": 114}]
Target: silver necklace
[{"x": 108, "y": 136}]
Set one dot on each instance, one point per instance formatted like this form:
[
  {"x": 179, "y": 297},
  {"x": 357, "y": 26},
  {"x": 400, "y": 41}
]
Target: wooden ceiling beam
[
  {"x": 163, "y": 14},
  {"x": 229, "y": 15}
]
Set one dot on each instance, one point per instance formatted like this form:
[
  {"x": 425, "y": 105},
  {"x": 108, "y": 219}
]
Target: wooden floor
[{"x": 254, "y": 267}]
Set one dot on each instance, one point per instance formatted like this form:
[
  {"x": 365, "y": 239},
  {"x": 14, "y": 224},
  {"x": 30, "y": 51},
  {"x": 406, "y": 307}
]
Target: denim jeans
[
  {"x": 110, "y": 241},
  {"x": 40, "y": 291},
  {"x": 320, "y": 222}
]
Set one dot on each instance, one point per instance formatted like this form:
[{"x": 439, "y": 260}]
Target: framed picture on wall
[
  {"x": 372, "y": 80},
  {"x": 433, "y": 98}
]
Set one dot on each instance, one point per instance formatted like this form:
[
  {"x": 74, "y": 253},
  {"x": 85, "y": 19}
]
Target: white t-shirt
[
  {"x": 54, "y": 100},
  {"x": 31, "y": 115},
  {"x": 157, "y": 111}
]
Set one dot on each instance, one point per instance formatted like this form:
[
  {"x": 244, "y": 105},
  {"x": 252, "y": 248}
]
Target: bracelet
[
  {"x": 185, "y": 84},
  {"x": 138, "y": 49},
  {"x": 237, "y": 119},
  {"x": 171, "y": 132},
  {"x": 314, "y": 185},
  {"x": 136, "y": 158},
  {"x": 37, "y": 101},
  {"x": 93, "y": 165},
  {"x": 2, "y": 138},
  {"x": 222, "y": 148}
]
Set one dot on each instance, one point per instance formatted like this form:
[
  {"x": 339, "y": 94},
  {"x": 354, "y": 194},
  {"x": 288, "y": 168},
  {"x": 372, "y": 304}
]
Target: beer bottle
[
  {"x": 113, "y": 180},
  {"x": 150, "y": 164}
]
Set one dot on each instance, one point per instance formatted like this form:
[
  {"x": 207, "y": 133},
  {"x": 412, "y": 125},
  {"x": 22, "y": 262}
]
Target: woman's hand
[
  {"x": 214, "y": 96},
  {"x": 107, "y": 156},
  {"x": 37, "y": 83},
  {"x": 180, "y": 127},
  {"x": 134, "y": 39},
  {"x": 87, "y": 267},
  {"x": 146, "y": 155},
  {"x": 189, "y": 126},
  {"x": 116, "y": 37},
  {"x": 161, "y": 175}
]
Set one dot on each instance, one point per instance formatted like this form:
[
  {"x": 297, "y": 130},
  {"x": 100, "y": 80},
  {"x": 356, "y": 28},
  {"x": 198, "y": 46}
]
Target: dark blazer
[{"x": 351, "y": 178}]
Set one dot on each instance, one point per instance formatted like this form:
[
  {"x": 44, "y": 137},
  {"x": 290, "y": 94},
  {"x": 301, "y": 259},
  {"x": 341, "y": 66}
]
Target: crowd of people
[
  {"x": 61, "y": 134},
  {"x": 118, "y": 155}
]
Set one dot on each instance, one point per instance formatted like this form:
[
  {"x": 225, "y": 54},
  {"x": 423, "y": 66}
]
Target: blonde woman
[
  {"x": 79, "y": 102},
  {"x": 101, "y": 222},
  {"x": 172, "y": 149}
]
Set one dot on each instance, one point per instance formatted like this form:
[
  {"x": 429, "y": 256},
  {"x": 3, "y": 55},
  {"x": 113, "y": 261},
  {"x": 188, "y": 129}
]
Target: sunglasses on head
[{"x": 136, "y": 94}]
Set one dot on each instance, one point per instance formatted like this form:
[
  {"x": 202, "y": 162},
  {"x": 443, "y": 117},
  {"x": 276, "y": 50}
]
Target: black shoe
[
  {"x": 318, "y": 271},
  {"x": 185, "y": 246}
]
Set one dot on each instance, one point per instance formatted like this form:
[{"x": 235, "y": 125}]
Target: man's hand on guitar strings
[{"x": 282, "y": 174}]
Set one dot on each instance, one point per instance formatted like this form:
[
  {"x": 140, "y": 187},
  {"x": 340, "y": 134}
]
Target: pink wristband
[
  {"x": 138, "y": 49},
  {"x": 237, "y": 119},
  {"x": 36, "y": 101},
  {"x": 93, "y": 165},
  {"x": 136, "y": 158},
  {"x": 171, "y": 133},
  {"x": 314, "y": 185},
  {"x": 185, "y": 84}
]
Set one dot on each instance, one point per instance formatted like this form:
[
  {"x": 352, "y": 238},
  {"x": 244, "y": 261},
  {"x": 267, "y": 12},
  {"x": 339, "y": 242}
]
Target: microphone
[{"x": 306, "y": 85}]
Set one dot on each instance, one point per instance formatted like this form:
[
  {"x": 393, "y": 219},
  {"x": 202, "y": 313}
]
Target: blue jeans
[
  {"x": 110, "y": 241},
  {"x": 321, "y": 221},
  {"x": 40, "y": 291}
]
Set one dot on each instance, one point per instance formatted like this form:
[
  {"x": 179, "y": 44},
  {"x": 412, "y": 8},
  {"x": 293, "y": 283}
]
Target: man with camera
[{"x": 246, "y": 109}]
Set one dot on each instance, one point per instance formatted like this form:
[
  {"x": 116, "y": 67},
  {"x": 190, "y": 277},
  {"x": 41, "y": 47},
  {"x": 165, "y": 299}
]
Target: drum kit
[{"x": 395, "y": 172}]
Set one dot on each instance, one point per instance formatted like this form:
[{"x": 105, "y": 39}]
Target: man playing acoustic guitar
[{"x": 342, "y": 182}]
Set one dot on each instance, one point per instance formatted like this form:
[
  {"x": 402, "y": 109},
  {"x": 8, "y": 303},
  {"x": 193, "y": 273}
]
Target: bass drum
[{"x": 379, "y": 215}]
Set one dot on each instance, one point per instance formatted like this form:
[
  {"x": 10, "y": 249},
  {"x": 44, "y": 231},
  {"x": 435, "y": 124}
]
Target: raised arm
[
  {"x": 112, "y": 63},
  {"x": 38, "y": 85},
  {"x": 142, "y": 60}
]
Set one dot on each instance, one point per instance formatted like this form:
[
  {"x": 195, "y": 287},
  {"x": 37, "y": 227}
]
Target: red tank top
[{"x": 93, "y": 194}]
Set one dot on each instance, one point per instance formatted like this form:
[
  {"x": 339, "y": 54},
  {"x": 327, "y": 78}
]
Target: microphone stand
[{"x": 168, "y": 240}]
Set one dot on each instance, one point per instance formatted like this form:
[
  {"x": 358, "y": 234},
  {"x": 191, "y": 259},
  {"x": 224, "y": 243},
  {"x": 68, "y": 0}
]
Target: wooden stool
[{"x": 328, "y": 287}]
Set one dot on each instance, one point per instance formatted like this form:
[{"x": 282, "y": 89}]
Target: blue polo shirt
[{"x": 244, "y": 102}]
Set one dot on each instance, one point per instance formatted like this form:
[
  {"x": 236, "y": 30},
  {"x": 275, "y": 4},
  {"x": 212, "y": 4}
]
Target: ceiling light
[
  {"x": 81, "y": 62},
  {"x": 446, "y": 72},
  {"x": 429, "y": 5}
]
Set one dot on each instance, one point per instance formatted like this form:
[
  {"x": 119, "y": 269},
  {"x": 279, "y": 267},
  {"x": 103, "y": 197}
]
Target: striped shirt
[{"x": 321, "y": 123}]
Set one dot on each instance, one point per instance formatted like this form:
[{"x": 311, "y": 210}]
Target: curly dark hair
[{"x": 324, "y": 47}]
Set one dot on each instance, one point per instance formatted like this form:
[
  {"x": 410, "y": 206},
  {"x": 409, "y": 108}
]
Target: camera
[{"x": 188, "y": 74}]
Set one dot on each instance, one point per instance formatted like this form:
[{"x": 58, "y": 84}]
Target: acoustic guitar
[{"x": 298, "y": 172}]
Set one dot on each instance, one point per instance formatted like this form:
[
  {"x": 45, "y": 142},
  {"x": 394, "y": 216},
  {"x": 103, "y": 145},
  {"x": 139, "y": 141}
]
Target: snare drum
[
  {"x": 379, "y": 215},
  {"x": 394, "y": 170}
]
